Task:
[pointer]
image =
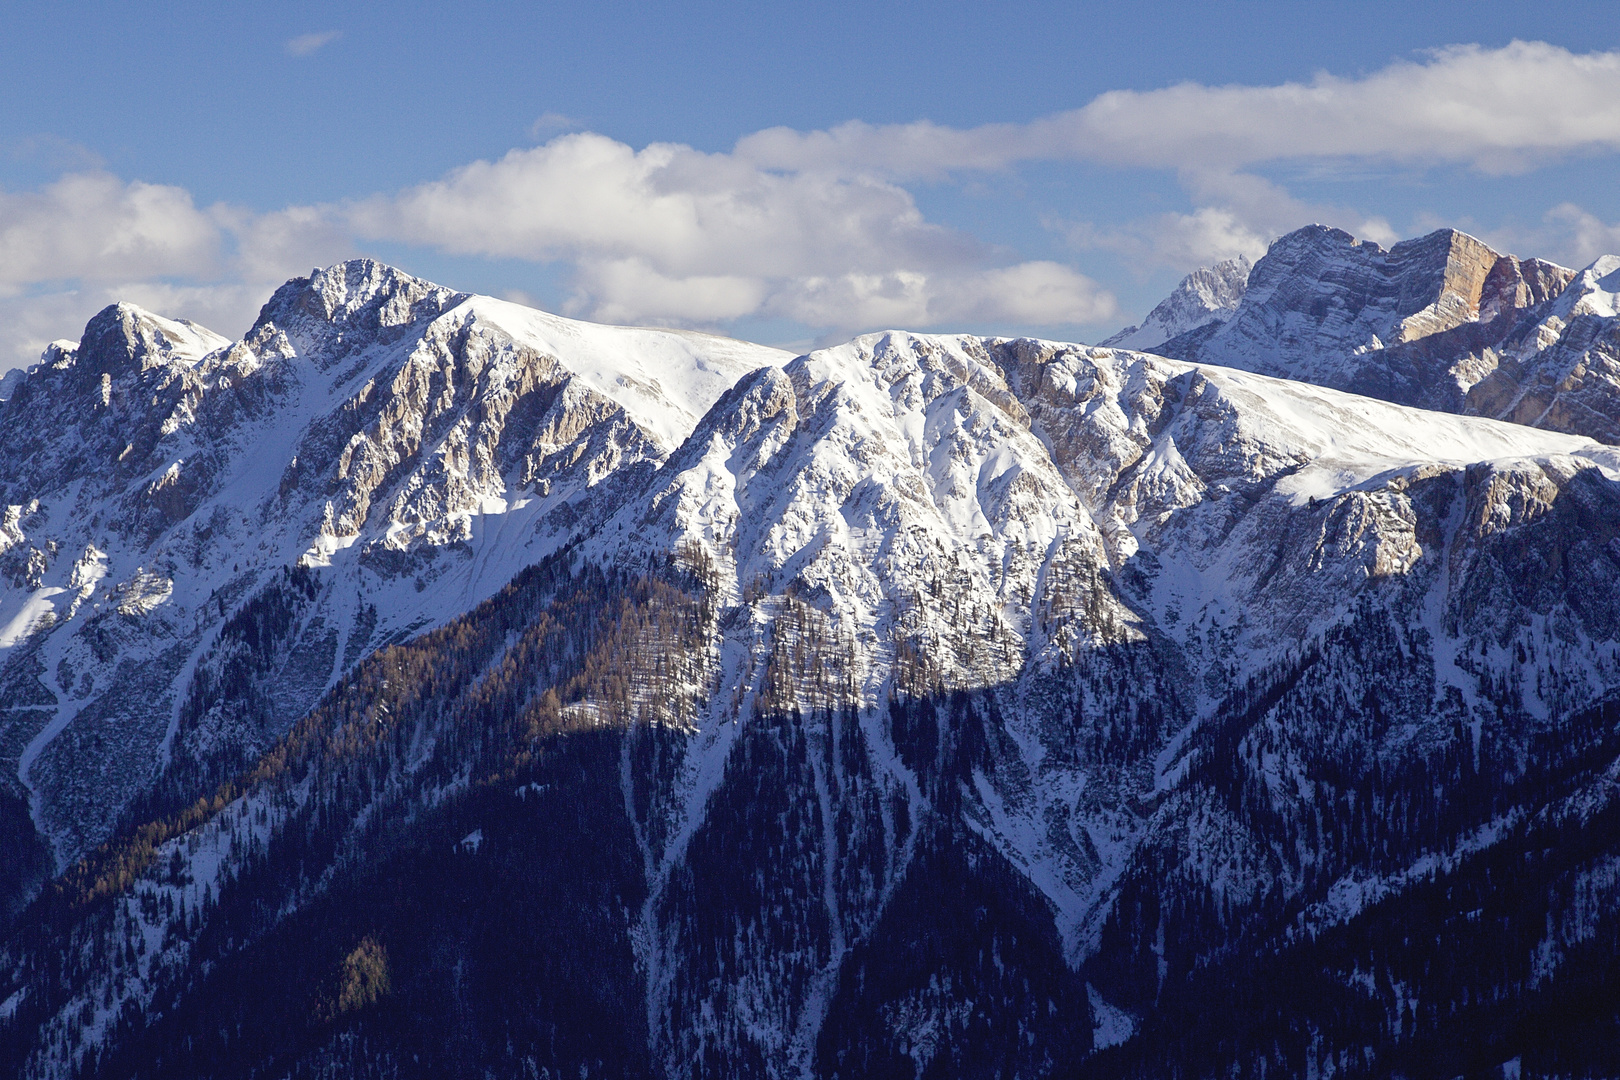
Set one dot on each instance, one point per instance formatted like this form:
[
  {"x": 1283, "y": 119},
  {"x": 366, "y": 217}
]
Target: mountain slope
[
  {"x": 421, "y": 444},
  {"x": 936, "y": 705}
]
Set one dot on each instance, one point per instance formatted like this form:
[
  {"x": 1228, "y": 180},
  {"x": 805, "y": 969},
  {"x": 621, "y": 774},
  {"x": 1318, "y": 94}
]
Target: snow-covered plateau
[{"x": 642, "y": 702}]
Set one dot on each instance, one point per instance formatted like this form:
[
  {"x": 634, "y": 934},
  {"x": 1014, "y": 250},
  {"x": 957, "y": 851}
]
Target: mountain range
[{"x": 428, "y": 685}]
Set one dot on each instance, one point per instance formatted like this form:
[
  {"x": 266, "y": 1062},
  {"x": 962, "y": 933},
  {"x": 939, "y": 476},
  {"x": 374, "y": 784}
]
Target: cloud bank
[
  {"x": 1497, "y": 110},
  {"x": 819, "y": 227},
  {"x": 670, "y": 233}
]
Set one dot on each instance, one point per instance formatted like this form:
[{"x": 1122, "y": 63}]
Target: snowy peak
[
  {"x": 124, "y": 339},
  {"x": 1320, "y": 291},
  {"x": 1595, "y": 292},
  {"x": 412, "y": 446},
  {"x": 130, "y": 389},
  {"x": 894, "y": 485},
  {"x": 836, "y": 632},
  {"x": 1207, "y": 295},
  {"x": 348, "y": 306}
]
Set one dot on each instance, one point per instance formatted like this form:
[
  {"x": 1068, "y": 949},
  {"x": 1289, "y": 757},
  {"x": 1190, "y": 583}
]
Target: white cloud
[
  {"x": 817, "y": 226},
  {"x": 669, "y": 233},
  {"x": 275, "y": 246},
  {"x": 1498, "y": 110},
  {"x": 1580, "y": 237},
  {"x": 683, "y": 211},
  {"x": 1035, "y": 293},
  {"x": 1509, "y": 109},
  {"x": 1241, "y": 215},
  {"x": 1568, "y": 234},
  {"x": 90, "y": 239},
  {"x": 93, "y": 226},
  {"x": 1031, "y": 294},
  {"x": 30, "y": 322},
  {"x": 630, "y": 290},
  {"x": 1204, "y": 237},
  {"x": 666, "y": 234},
  {"x": 307, "y": 44}
]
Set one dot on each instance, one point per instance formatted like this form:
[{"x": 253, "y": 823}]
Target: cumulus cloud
[
  {"x": 665, "y": 234},
  {"x": 93, "y": 226},
  {"x": 90, "y": 239},
  {"x": 1039, "y": 293},
  {"x": 270, "y": 247},
  {"x": 1498, "y": 110},
  {"x": 818, "y": 227},
  {"x": 1242, "y": 214},
  {"x": 669, "y": 233},
  {"x": 1580, "y": 237},
  {"x": 308, "y": 44},
  {"x": 684, "y": 211},
  {"x": 1031, "y": 293},
  {"x": 1206, "y": 236},
  {"x": 1568, "y": 234}
]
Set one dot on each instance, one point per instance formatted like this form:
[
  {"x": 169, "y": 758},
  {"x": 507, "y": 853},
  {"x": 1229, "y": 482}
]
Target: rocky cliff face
[
  {"x": 1442, "y": 323},
  {"x": 927, "y": 705}
]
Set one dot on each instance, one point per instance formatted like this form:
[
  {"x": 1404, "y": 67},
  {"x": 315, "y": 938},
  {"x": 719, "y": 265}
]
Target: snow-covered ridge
[
  {"x": 420, "y": 446},
  {"x": 665, "y": 379}
]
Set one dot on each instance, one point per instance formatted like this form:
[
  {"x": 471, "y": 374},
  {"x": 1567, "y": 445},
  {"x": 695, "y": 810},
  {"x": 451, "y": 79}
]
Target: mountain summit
[
  {"x": 1205, "y": 297},
  {"x": 1442, "y": 322}
]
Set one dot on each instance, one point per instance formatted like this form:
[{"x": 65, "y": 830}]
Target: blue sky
[{"x": 785, "y": 172}]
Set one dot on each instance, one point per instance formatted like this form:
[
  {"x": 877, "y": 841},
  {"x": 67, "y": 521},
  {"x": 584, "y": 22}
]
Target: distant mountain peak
[
  {"x": 1207, "y": 295},
  {"x": 1442, "y": 321},
  {"x": 355, "y": 300}
]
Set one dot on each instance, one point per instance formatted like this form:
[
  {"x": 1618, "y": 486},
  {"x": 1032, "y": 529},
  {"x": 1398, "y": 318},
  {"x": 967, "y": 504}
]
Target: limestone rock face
[
  {"x": 1560, "y": 368},
  {"x": 1442, "y": 322}
]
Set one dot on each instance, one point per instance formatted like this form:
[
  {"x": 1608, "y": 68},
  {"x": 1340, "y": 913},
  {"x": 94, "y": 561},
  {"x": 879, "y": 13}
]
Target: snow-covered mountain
[
  {"x": 1442, "y": 322},
  {"x": 1206, "y": 296},
  {"x": 418, "y": 445},
  {"x": 514, "y": 696}
]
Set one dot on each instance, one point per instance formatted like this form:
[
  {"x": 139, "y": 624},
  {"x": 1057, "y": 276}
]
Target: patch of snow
[
  {"x": 665, "y": 379},
  {"x": 26, "y": 615},
  {"x": 1110, "y": 1025}
]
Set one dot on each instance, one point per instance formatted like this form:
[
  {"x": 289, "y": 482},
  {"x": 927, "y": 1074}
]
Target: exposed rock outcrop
[{"x": 1442, "y": 322}]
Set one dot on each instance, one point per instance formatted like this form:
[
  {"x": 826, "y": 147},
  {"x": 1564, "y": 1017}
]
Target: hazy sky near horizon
[{"x": 783, "y": 172}]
